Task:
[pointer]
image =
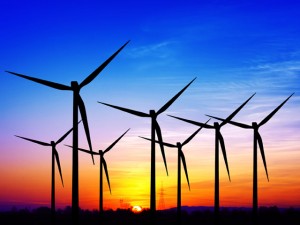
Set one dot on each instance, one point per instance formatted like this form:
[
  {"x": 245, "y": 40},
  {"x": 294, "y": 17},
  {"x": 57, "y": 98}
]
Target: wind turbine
[
  {"x": 102, "y": 165},
  {"x": 180, "y": 156},
  {"x": 155, "y": 128},
  {"x": 55, "y": 157},
  {"x": 77, "y": 103},
  {"x": 257, "y": 139},
  {"x": 218, "y": 140}
]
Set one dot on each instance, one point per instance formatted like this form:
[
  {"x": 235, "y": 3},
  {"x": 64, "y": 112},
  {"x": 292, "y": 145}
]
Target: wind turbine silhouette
[
  {"x": 102, "y": 165},
  {"x": 218, "y": 140},
  {"x": 155, "y": 128},
  {"x": 55, "y": 157},
  {"x": 77, "y": 103},
  {"x": 256, "y": 139},
  {"x": 180, "y": 156}
]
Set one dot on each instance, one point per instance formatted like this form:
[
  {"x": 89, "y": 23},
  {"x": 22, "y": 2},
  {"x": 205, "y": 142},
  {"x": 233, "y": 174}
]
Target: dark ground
[{"x": 41, "y": 216}]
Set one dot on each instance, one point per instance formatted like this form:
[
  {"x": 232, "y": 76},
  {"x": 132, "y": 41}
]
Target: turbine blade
[
  {"x": 242, "y": 125},
  {"x": 137, "y": 113},
  {"x": 85, "y": 150},
  {"x": 221, "y": 139},
  {"x": 159, "y": 136},
  {"x": 106, "y": 172},
  {"x": 44, "y": 82},
  {"x": 262, "y": 152},
  {"x": 194, "y": 122},
  {"x": 34, "y": 141},
  {"x": 170, "y": 102},
  {"x": 273, "y": 112},
  {"x": 58, "y": 165},
  {"x": 193, "y": 135},
  {"x": 164, "y": 143},
  {"x": 184, "y": 167},
  {"x": 65, "y": 135},
  {"x": 236, "y": 111},
  {"x": 85, "y": 124},
  {"x": 115, "y": 142},
  {"x": 94, "y": 74}
]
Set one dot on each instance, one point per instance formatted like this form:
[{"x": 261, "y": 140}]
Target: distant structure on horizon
[
  {"x": 161, "y": 202},
  {"x": 124, "y": 204}
]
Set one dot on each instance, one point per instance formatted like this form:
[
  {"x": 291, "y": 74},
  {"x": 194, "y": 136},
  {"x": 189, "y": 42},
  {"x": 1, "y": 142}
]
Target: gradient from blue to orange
[{"x": 234, "y": 48}]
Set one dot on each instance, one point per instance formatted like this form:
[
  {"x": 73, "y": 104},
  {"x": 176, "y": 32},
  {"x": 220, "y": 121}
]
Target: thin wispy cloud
[{"x": 160, "y": 50}]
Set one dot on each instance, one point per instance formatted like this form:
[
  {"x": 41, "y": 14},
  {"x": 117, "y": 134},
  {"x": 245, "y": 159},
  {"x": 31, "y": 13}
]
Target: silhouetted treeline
[{"x": 232, "y": 216}]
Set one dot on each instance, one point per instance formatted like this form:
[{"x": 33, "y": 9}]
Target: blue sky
[{"x": 234, "y": 48}]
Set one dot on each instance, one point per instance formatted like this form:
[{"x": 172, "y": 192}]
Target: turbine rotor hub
[
  {"x": 152, "y": 113},
  {"x": 254, "y": 125},
  {"x": 217, "y": 125},
  {"x": 74, "y": 85}
]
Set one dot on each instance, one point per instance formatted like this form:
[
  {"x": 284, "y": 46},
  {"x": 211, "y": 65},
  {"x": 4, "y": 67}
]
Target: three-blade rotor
[
  {"x": 218, "y": 133},
  {"x": 154, "y": 115},
  {"x": 76, "y": 89},
  {"x": 53, "y": 144},
  {"x": 101, "y": 153},
  {"x": 256, "y": 127},
  {"x": 179, "y": 147}
]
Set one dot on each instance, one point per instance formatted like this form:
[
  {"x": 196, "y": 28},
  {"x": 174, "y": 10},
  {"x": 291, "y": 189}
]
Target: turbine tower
[
  {"x": 256, "y": 140},
  {"x": 103, "y": 165},
  {"x": 155, "y": 128},
  {"x": 77, "y": 103},
  {"x": 54, "y": 158},
  {"x": 218, "y": 141},
  {"x": 180, "y": 160}
]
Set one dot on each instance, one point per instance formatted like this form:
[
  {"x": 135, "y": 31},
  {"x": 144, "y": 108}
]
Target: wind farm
[
  {"x": 156, "y": 131},
  {"x": 156, "y": 138},
  {"x": 234, "y": 49}
]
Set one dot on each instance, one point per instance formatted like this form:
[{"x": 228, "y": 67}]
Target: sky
[{"x": 234, "y": 48}]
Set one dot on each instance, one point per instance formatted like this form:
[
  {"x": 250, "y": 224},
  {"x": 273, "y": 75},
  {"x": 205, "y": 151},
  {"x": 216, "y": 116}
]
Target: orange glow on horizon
[{"x": 130, "y": 180}]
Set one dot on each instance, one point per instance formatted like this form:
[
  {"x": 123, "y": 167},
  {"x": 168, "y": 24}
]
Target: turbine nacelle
[
  {"x": 54, "y": 151},
  {"x": 217, "y": 126},
  {"x": 255, "y": 125},
  {"x": 152, "y": 113},
  {"x": 101, "y": 153},
  {"x": 75, "y": 86}
]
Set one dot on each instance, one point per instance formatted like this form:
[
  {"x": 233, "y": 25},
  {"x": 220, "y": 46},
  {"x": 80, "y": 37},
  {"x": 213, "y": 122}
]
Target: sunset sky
[{"x": 234, "y": 48}]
